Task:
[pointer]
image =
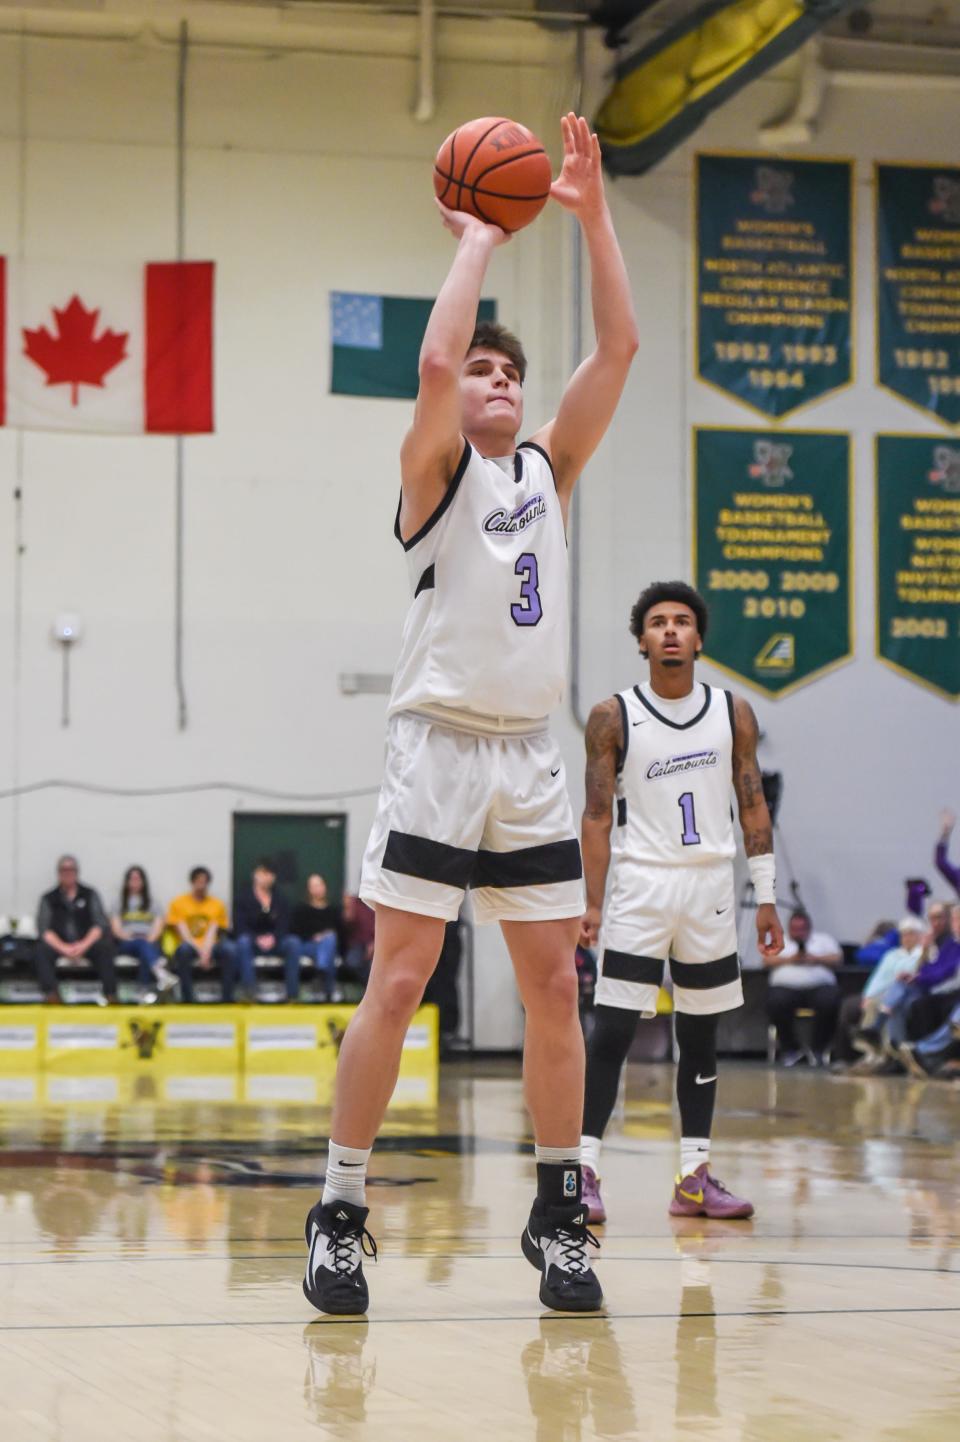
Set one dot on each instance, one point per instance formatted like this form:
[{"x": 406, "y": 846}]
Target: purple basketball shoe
[
  {"x": 700, "y": 1195},
  {"x": 590, "y": 1195}
]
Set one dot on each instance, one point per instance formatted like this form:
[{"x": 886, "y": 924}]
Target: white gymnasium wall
[{"x": 305, "y": 173}]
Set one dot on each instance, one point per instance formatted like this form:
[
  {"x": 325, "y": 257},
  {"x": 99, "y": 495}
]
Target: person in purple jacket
[
  {"x": 947, "y": 870},
  {"x": 938, "y": 1053},
  {"x": 922, "y": 1004}
]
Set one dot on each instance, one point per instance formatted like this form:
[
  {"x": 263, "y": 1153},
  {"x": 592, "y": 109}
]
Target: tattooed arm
[
  {"x": 604, "y": 741},
  {"x": 754, "y": 819}
]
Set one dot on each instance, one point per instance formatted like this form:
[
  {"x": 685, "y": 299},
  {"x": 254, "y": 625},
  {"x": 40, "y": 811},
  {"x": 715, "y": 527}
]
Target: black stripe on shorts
[
  {"x": 530, "y": 866},
  {"x": 428, "y": 860},
  {"x": 624, "y": 966},
  {"x": 705, "y": 975}
]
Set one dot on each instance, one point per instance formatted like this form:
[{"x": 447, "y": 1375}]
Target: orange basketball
[{"x": 495, "y": 169}]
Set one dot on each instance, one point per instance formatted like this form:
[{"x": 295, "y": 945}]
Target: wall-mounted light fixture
[{"x": 67, "y": 631}]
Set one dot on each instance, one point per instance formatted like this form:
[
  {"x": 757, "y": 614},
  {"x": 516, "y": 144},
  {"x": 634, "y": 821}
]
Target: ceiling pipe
[
  {"x": 307, "y": 31},
  {"x": 426, "y": 105},
  {"x": 798, "y": 126}
]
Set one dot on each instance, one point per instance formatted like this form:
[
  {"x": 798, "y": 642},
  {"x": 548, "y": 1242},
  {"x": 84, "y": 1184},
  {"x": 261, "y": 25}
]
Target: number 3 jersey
[
  {"x": 674, "y": 782},
  {"x": 487, "y": 631}
]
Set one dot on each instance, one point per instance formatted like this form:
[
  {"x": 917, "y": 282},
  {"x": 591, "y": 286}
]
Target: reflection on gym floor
[{"x": 156, "y": 1242}]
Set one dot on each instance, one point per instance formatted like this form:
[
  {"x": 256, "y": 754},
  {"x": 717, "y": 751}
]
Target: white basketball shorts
[
  {"x": 488, "y": 812},
  {"x": 682, "y": 914}
]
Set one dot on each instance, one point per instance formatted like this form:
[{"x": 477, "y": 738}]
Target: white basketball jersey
[
  {"x": 674, "y": 783},
  {"x": 487, "y": 629}
]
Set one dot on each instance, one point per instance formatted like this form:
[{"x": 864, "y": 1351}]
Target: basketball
[{"x": 495, "y": 169}]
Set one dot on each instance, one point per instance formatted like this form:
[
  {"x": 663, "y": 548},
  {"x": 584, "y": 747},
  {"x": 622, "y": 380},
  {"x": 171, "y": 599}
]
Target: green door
[{"x": 297, "y": 843}]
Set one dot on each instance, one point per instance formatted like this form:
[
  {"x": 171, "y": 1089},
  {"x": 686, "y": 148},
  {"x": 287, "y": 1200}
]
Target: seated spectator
[
  {"x": 858, "y": 1028},
  {"x": 920, "y": 1006},
  {"x": 945, "y": 867},
  {"x": 73, "y": 925},
  {"x": 356, "y": 937},
  {"x": 137, "y": 925},
  {"x": 938, "y": 1053},
  {"x": 803, "y": 976},
  {"x": 201, "y": 923},
  {"x": 262, "y": 925},
  {"x": 318, "y": 924}
]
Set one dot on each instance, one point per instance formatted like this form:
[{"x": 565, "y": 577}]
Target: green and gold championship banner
[
  {"x": 772, "y": 552},
  {"x": 918, "y": 286},
  {"x": 918, "y": 559},
  {"x": 773, "y": 277}
]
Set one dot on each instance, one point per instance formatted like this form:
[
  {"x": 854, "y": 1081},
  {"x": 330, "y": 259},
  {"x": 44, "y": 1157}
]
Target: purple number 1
[
  {"x": 690, "y": 836},
  {"x": 528, "y": 610}
]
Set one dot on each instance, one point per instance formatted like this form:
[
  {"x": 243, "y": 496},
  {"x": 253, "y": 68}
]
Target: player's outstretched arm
[
  {"x": 593, "y": 392},
  {"x": 757, "y": 828},
  {"x": 433, "y": 444},
  {"x": 604, "y": 742},
  {"x": 941, "y": 858}
]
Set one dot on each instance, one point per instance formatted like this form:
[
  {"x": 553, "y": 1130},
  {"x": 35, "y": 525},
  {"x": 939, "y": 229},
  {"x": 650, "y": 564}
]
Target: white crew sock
[
  {"x": 590, "y": 1153},
  {"x": 557, "y": 1156},
  {"x": 346, "y": 1179},
  {"x": 693, "y": 1151}
]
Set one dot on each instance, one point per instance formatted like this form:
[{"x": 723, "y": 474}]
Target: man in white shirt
[{"x": 804, "y": 976}]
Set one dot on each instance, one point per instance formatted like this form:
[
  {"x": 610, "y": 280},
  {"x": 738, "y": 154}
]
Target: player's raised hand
[
  {"x": 769, "y": 930},
  {"x": 458, "y": 222},
  {"x": 579, "y": 186},
  {"x": 948, "y": 821}
]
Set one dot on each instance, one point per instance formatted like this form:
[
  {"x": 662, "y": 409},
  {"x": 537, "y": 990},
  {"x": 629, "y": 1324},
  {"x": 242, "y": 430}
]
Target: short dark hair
[
  {"x": 800, "y": 913},
  {"x": 491, "y": 335},
  {"x": 201, "y": 871},
  {"x": 264, "y": 863},
  {"x": 668, "y": 591}
]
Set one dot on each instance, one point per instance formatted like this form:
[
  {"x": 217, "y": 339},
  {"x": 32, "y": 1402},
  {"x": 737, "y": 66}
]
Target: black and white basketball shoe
[
  {"x": 338, "y": 1241},
  {"x": 555, "y": 1241}
]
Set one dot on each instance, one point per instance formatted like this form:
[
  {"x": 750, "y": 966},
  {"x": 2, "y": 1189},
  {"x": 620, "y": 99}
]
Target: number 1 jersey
[
  {"x": 674, "y": 783},
  {"x": 487, "y": 630}
]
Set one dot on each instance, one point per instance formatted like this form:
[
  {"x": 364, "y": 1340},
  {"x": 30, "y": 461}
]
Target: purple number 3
[{"x": 528, "y": 610}]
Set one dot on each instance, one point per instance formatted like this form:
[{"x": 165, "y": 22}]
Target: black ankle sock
[{"x": 558, "y": 1183}]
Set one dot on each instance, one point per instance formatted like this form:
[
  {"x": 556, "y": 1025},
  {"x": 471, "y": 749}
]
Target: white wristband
[{"x": 763, "y": 874}]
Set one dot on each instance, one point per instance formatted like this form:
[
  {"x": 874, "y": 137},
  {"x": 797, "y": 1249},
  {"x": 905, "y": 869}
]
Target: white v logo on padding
[{"x": 702, "y": 1080}]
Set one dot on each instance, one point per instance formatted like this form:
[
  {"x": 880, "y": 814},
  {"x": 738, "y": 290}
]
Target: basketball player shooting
[
  {"x": 667, "y": 753},
  {"x": 474, "y": 792}
]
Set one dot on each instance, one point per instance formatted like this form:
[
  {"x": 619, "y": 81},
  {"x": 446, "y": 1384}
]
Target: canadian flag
[{"x": 107, "y": 348}]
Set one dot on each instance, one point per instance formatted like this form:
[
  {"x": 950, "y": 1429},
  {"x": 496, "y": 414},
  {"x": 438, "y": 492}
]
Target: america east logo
[
  {"x": 946, "y": 468},
  {"x": 772, "y": 189},
  {"x": 945, "y": 203},
  {"x": 502, "y": 522},
  {"x": 771, "y": 463}
]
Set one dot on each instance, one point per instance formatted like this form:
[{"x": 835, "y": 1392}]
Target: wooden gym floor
[{"x": 151, "y": 1256}]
